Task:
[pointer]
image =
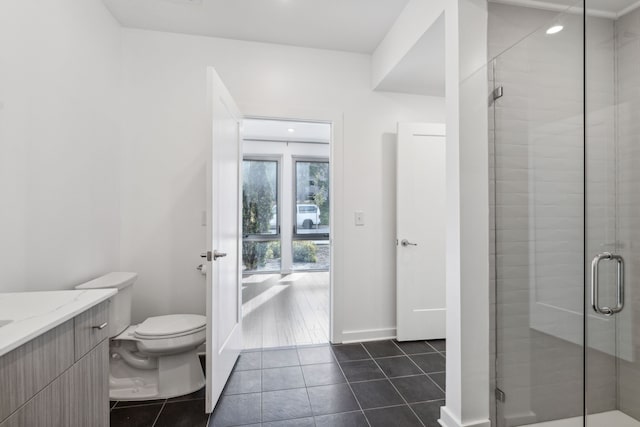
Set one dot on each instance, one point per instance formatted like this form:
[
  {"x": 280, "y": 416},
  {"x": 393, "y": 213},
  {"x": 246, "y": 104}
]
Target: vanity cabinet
[{"x": 60, "y": 378}]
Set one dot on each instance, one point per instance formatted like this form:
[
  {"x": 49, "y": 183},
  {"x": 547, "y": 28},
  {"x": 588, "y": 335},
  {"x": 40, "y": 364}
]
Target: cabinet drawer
[
  {"x": 91, "y": 328},
  {"x": 29, "y": 368}
]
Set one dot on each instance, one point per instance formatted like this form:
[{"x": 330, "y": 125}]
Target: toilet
[{"x": 155, "y": 359}]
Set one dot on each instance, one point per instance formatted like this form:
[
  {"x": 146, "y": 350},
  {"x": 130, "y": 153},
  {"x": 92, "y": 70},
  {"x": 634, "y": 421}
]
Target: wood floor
[{"x": 285, "y": 310}]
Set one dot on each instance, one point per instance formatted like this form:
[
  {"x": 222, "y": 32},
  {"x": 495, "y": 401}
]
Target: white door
[
  {"x": 224, "y": 315},
  {"x": 420, "y": 253}
]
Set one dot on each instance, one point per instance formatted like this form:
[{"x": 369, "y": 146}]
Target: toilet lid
[{"x": 172, "y": 324}]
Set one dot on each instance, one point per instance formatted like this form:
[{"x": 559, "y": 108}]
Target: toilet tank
[{"x": 120, "y": 303}]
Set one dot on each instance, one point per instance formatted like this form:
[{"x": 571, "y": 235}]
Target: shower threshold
[{"x": 603, "y": 419}]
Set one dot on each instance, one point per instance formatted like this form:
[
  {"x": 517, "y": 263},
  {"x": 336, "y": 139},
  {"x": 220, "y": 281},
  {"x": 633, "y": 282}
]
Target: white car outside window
[{"x": 308, "y": 216}]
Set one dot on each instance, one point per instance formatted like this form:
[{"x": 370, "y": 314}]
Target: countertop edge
[{"x": 101, "y": 295}]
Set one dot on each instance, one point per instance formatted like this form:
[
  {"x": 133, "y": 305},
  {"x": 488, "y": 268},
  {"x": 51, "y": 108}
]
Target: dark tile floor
[{"x": 382, "y": 383}]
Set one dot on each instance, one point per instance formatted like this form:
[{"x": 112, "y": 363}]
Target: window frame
[
  {"x": 277, "y": 235},
  {"x": 306, "y": 159}
]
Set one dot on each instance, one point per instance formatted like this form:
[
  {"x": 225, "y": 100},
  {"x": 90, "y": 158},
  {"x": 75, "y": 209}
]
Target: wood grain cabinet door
[
  {"x": 27, "y": 370},
  {"x": 49, "y": 408},
  {"x": 90, "y": 389}
]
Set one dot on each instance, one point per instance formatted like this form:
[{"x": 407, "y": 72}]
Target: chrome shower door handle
[
  {"x": 619, "y": 284},
  {"x": 595, "y": 284}
]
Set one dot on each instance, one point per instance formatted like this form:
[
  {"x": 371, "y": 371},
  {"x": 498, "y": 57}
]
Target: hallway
[{"x": 285, "y": 310}]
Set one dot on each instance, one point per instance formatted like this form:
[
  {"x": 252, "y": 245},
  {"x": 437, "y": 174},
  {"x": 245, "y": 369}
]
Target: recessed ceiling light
[
  {"x": 555, "y": 29},
  {"x": 291, "y": 130}
]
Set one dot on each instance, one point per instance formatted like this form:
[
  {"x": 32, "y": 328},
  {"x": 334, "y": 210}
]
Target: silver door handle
[
  {"x": 213, "y": 256},
  {"x": 217, "y": 255},
  {"x": 406, "y": 243},
  {"x": 100, "y": 327},
  {"x": 595, "y": 284}
]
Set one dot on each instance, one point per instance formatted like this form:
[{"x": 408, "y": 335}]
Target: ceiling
[
  {"x": 422, "y": 70},
  {"x": 611, "y": 8},
  {"x": 282, "y": 130},
  {"x": 346, "y": 25}
]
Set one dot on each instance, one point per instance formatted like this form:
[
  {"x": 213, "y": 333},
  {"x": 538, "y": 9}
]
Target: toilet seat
[{"x": 170, "y": 326}]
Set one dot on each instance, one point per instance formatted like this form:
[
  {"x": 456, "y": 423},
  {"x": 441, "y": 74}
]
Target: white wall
[
  {"x": 163, "y": 181},
  {"x": 467, "y": 253},
  {"x": 59, "y": 142}
]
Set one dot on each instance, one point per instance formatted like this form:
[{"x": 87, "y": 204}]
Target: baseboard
[
  {"x": 368, "y": 335},
  {"x": 447, "y": 419}
]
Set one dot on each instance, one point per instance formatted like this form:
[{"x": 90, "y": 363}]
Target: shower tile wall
[
  {"x": 628, "y": 124},
  {"x": 539, "y": 211}
]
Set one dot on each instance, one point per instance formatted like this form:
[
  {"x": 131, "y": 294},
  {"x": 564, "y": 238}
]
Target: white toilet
[{"x": 155, "y": 359}]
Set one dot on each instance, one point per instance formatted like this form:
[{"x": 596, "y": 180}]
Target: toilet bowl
[{"x": 155, "y": 359}]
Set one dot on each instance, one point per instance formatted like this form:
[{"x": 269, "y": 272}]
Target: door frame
[{"x": 336, "y": 195}]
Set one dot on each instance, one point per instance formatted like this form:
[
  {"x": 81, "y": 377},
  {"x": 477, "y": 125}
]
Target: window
[
  {"x": 312, "y": 198},
  {"x": 308, "y": 208},
  {"x": 311, "y": 255},
  {"x": 260, "y": 220}
]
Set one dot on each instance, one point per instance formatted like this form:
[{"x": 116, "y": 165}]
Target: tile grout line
[
  {"x": 349, "y": 385},
  {"x": 427, "y": 342},
  {"x": 389, "y": 378},
  {"x": 332, "y": 384},
  {"x": 339, "y": 413},
  {"x": 158, "y": 402},
  {"x": 159, "y": 412},
  {"x": 393, "y": 385},
  {"x": 405, "y": 354},
  {"x": 422, "y": 370},
  {"x": 306, "y": 389}
]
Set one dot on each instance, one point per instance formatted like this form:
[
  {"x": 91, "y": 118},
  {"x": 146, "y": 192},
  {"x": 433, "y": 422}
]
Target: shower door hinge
[
  {"x": 500, "y": 396},
  {"x": 497, "y": 93}
]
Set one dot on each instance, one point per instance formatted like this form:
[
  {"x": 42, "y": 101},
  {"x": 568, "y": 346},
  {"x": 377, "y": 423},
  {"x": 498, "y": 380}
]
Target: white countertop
[{"x": 31, "y": 314}]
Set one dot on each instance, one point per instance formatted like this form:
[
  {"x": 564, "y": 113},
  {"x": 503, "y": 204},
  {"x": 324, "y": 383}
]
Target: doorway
[{"x": 286, "y": 232}]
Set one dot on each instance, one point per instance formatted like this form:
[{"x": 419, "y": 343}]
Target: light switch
[
  {"x": 359, "y": 217},
  {"x": 203, "y": 218}
]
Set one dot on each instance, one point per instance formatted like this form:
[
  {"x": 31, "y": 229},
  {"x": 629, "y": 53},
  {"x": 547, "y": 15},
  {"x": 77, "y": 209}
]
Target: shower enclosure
[{"x": 564, "y": 122}]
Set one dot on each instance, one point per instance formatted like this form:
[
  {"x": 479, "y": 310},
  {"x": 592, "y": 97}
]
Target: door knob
[{"x": 406, "y": 243}]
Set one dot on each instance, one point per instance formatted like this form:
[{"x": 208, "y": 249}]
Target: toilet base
[{"x": 175, "y": 375}]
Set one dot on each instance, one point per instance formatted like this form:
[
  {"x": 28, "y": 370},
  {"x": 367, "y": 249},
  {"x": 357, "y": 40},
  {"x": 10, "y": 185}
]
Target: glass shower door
[
  {"x": 539, "y": 230},
  {"x": 565, "y": 167},
  {"x": 613, "y": 217}
]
